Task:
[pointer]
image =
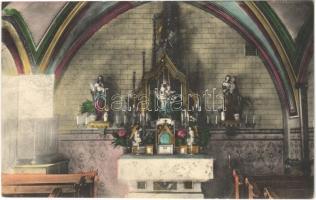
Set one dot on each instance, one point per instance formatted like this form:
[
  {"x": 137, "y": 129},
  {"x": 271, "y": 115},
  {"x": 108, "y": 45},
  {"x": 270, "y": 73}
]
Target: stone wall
[
  {"x": 208, "y": 45},
  {"x": 27, "y": 118},
  {"x": 90, "y": 152},
  {"x": 9, "y": 110}
]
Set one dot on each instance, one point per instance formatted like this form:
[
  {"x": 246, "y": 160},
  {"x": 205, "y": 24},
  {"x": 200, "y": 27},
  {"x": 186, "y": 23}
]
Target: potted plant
[
  {"x": 87, "y": 113},
  {"x": 87, "y": 107}
]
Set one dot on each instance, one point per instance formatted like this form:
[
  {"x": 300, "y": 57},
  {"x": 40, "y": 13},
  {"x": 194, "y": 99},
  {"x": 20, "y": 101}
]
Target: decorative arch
[
  {"x": 9, "y": 69},
  {"x": 11, "y": 38},
  {"x": 74, "y": 26},
  {"x": 39, "y": 55},
  {"x": 285, "y": 90}
]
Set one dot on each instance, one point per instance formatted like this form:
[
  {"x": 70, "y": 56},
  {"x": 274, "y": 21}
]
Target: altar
[
  {"x": 165, "y": 176},
  {"x": 164, "y": 122}
]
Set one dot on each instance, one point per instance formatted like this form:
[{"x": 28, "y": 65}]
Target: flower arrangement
[
  {"x": 121, "y": 138},
  {"x": 87, "y": 107},
  {"x": 181, "y": 136}
]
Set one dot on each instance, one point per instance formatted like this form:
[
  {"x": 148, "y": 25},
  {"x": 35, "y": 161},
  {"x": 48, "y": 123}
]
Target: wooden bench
[{"x": 75, "y": 185}]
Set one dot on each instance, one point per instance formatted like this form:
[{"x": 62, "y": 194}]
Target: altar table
[{"x": 165, "y": 176}]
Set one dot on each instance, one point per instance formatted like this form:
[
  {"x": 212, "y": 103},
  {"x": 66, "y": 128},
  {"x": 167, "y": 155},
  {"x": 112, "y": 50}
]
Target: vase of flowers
[
  {"x": 121, "y": 138},
  {"x": 181, "y": 136}
]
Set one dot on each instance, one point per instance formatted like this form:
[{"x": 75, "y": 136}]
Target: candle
[
  {"x": 207, "y": 119},
  {"x": 253, "y": 119},
  {"x": 77, "y": 120},
  {"x": 223, "y": 116},
  {"x": 188, "y": 117},
  {"x": 213, "y": 99},
  {"x": 191, "y": 148},
  {"x": 181, "y": 118},
  {"x": 216, "y": 119},
  {"x": 224, "y": 103},
  {"x": 105, "y": 116},
  {"x": 246, "y": 121},
  {"x": 124, "y": 119}
]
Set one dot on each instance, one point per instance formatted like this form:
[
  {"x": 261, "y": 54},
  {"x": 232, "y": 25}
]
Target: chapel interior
[{"x": 161, "y": 99}]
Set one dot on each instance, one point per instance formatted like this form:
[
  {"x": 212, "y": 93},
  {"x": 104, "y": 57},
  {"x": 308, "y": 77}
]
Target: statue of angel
[{"x": 135, "y": 135}]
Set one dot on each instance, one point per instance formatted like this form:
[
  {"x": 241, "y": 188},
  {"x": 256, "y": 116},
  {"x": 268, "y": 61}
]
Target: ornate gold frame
[
  {"x": 165, "y": 128},
  {"x": 154, "y": 74}
]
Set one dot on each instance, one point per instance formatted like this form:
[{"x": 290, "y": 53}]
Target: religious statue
[
  {"x": 231, "y": 97},
  {"x": 98, "y": 92},
  {"x": 135, "y": 135},
  {"x": 164, "y": 95}
]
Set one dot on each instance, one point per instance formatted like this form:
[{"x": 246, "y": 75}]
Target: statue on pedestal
[
  {"x": 164, "y": 95},
  {"x": 98, "y": 92},
  {"x": 231, "y": 97}
]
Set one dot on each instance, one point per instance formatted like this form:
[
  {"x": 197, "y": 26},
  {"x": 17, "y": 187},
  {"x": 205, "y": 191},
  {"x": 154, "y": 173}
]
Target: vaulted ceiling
[{"x": 44, "y": 36}]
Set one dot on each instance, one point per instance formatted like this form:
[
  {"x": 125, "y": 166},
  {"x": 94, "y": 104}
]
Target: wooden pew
[
  {"x": 269, "y": 194},
  {"x": 237, "y": 183},
  {"x": 244, "y": 187},
  {"x": 55, "y": 193},
  {"x": 76, "y": 185},
  {"x": 252, "y": 189}
]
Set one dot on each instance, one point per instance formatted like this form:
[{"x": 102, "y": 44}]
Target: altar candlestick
[
  {"x": 146, "y": 118},
  {"x": 213, "y": 104},
  {"x": 187, "y": 119},
  {"x": 124, "y": 119},
  {"x": 228, "y": 160},
  {"x": 134, "y": 80},
  {"x": 223, "y": 103}
]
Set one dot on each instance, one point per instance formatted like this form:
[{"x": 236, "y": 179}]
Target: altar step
[
  {"x": 287, "y": 187},
  {"x": 175, "y": 195}
]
